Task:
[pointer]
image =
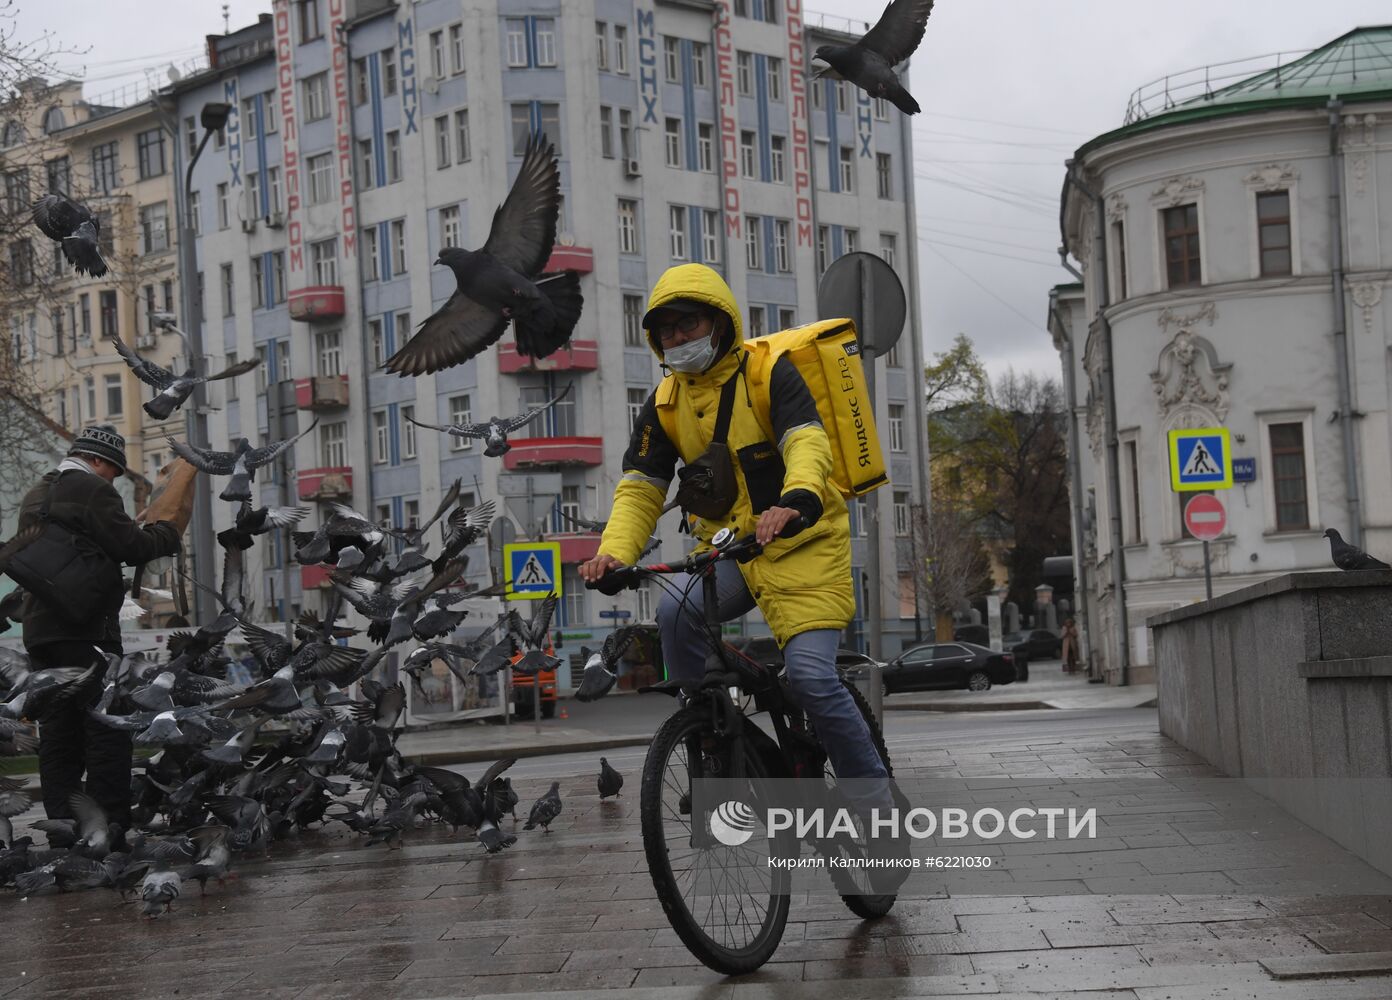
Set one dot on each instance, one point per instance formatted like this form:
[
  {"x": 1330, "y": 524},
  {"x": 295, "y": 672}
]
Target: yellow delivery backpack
[{"x": 828, "y": 356}]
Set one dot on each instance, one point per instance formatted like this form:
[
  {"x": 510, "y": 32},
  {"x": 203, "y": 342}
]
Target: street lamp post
[{"x": 213, "y": 117}]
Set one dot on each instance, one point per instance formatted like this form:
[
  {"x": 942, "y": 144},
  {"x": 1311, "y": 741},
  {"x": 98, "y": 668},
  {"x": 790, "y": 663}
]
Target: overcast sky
[{"x": 1008, "y": 88}]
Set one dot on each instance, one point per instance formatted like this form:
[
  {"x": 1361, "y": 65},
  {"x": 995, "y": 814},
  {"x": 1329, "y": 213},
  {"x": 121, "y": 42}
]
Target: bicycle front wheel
[{"x": 726, "y": 904}]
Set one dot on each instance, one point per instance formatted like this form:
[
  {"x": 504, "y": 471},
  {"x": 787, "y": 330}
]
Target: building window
[
  {"x": 224, "y": 207},
  {"x": 823, "y": 253},
  {"x": 1274, "y": 232},
  {"x": 881, "y": 109},
  {"x": 846, "y": 166},
  {"x": 1288, "y": 476},
  {"x": 710, "y": 236},
  {"x": 901, "y": 513},
  {"x": 626, "y": 147},
  {"x": 705, "y": 146},
  {"x": 606, "y": 131},
  {"x": 154, "y": 228},
  {"x": 258, "y": 282},
  {"x": 756, "y": 321},
  {"x": 22, "y": 262},
  {"x": 633, "y": 320},
  {"x": 620, "y": 48},
  {"x": 460, "y": 413},
  {"x": 380, "y": 438},
  {"x": 323, "y": 258},
  {"x": 1118, "y": 249},
  {"x": 673, "y": 144},
  {"x": 1133, "y": 478},
  {"x": 850, "y": 239},
  {"x": 320, "y": 178},
  {"x": 787, "y": 318},
  {"x": 671, "y": 59},
  {"x": 744, "y": 74},
  {"x": 437, "y": 54},
  {"x": 229, "y": 297},
  {"x": 114, "y": 405},
  {"x": 463, "y": 148},
  {"x": 777, "y": 159},
  {"x": 636, "y": 399},
  {"x": 746, "y": 153},
  {"x": 892, "y": 359},
  {"x": 1182, "y": 246},
  {"x": 888, "y": 244},
  {"x": 328, "y": 352},
  {"x": 601, "y": 45},
  {"x": 273, "y": 188},
  {"x": 676, "y": 227},
  {"x": 150, "y": 149},
  {"x": 378, "y": 341},
  {"x": 315, "y": 94},
  {"x": 516, "y": 31},
  {"x": 367, "y": 165},
  {"x": 398, "y": 246},
  {"x": 896, "y": 427},
  {"x": 884, "y": 176},
  {"x": 700, "y": 61},
  {"x": 333, "y": 444},
  {"x": 843, "y": 97},
  {"x": 545, "y": 41},
  {"x": 408, "y": 432},
  {"x": 522, "y": 126},
  {"x": 403, "y": 328},
  {"x": 442, "y": 142},
  {"x": 388, "y": 72},
  {"x": 753, "y": 243},
  {"x": 456, "y": 34},
  {"x": 628, "y": 226},
  {"x": 775, "y": 78},
  {"x": 360, "y": 81},
  {"x": 283, "y": 372},
  {"x": 59, "y": 172},
  {"x": 106, "y": 167},
  {"x": 253, "y": 194},
  {"x": 782, "y": 242},
  {"x": 574, "y": 604},
  {"x": 449, "y": 226},
  {"x": 771, "y": 11},
  {"x": 310, "y": 28}
]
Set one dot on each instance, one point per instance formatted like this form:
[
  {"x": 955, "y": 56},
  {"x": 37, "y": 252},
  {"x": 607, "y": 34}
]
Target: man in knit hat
[{"x": 81, "y": 498}]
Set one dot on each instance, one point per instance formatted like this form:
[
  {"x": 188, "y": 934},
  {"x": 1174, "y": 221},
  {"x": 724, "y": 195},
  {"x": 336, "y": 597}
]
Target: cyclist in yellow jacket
[{"x": 801, "y": 584}]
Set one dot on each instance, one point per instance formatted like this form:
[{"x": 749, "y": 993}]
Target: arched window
[
  {"x": 14, "y": 134},
  {"x": 53, "y": 120}
]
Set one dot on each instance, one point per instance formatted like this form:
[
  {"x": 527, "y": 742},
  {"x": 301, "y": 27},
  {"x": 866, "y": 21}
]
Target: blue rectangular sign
[
  {"x": 620, "y": 615},
  {"x": 1244, "y": 470}
]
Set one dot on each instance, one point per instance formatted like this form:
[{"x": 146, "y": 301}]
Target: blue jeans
[{"x": 810, "y": 662}]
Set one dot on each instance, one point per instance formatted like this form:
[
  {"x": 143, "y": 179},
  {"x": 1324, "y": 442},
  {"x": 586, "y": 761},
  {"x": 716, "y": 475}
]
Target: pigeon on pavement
[
  {"x": 241, "y": 464},
  {"x": 174, "y": 390},
  {"x": 1350, "y": 557},
  {"x": 75, "y": 229},
  {"x": 494, "y": 433},
  {"x": 545, "y": 809},
  {"x": 610, "y": 781},
  {"x": 158, "y": 892},
  {"x": 499, "y": 283},
  {"x": 870, "y": 62}
]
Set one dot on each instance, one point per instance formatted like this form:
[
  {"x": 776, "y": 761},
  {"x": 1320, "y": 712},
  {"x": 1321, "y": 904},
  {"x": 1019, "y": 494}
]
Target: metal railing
[
  {"x": 1192, "y": 86},
  {"x": 139, "y": 91},
  {"x": 836, "y": 22}
]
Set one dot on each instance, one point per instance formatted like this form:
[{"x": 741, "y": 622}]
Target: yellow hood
[{"x": 698, "y": 283}]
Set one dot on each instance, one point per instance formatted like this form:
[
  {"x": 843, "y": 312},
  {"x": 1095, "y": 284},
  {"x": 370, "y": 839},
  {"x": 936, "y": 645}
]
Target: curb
[
  {"x": 474, "y": 754},
  {"x": 968, "y": 706}
]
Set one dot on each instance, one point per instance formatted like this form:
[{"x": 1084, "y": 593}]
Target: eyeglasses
[{"x": 685, "y": 324}]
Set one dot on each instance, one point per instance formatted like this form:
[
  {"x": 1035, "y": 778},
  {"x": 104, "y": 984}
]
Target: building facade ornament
[
  {"x": 1360, "y": 130},
  {"x": 1116, "y": 206},
  {"x": 1169, "y": 317},
  {"x": 1189, "y": 376},
  {"x": 1272, "y": 177},
  {"x": 1358, "y": 169},
  {"x": 1188, "y": 560},
  {"x": 1366, "y": 296},
  {"x": 1177, "y": 190}
]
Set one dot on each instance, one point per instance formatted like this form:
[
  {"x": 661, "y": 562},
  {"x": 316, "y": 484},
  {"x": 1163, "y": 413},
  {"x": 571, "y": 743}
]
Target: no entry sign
[{"x": 1205, "y": 517}]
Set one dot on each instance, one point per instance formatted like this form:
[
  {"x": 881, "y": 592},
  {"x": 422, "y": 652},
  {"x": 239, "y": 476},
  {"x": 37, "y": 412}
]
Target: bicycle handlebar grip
[
  {"x": 613, "y": 581},
  {"x": 793, "y": 527}
]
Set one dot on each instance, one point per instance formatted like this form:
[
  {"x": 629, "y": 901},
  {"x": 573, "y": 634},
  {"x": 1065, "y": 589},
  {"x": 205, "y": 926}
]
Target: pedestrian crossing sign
[
  {"x": 1201, "y": 459},
  {"x": 533, "y": 570}
]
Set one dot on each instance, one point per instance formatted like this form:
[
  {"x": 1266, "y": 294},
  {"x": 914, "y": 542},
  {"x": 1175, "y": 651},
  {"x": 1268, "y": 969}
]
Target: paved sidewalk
[
  {"x": 574, "y": 911},
  {"x": 1048, "y": 687},
  {"x": 466, "y": 742}
]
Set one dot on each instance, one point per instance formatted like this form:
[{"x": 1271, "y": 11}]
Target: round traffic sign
[{"x": 1205, "y": 517}]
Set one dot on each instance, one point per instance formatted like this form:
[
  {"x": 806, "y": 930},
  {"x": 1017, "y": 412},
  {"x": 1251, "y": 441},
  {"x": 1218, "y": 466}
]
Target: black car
[
  {"x": 1037, "y": 644},
  {"x": 854, "y": 665},
  {"x": 948, "y": 665},
  {"x": 978, "y": 634}
]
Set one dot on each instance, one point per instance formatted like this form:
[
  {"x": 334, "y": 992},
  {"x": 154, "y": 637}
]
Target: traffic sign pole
[{"x": 1207, "y": 573}]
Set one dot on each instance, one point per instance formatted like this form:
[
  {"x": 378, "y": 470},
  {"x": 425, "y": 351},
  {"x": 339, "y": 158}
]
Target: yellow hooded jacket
[{"x": 800, "y": 583}]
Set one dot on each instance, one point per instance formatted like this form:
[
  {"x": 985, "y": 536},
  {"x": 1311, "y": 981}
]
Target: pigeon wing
[
  {"x": 265, "y": 645},
  {"x": 147, "y": 371},
  {"x": 454, "y": 333},
  {"x": 57, "y": 217},
  {"x": 258, "y": 457},
  {"x": 525, "y": 418},
  {"x": 219, "y": 463},
  {"x": 283, "y": 517},
  {"x": 451, "y": 495},
  {"x": 524, "y": 226},
  {"x": 495, "y": 770},
  {"x": 899, "y": 30},
  {"x": 540, "y": 626},
  {"x": 232, "y": 371}
]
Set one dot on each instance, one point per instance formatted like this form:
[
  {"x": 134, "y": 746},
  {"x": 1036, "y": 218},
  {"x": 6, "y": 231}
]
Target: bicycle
[{"x": 732, "y": 928}]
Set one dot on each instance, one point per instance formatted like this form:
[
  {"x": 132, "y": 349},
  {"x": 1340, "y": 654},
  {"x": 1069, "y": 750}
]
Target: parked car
[
  {"x": 1037, "y": 644},
  {"x": 948, "y": 665},
  {"x": 978, "y": 634},
  {"x": 852, "y": 664}
]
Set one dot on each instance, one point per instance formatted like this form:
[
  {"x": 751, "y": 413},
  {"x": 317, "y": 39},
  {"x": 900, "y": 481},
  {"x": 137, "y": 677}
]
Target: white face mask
[{"x": 693, "y": 357}]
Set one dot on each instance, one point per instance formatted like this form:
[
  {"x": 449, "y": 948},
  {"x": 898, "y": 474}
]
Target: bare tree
[{"x": 954, "y": 569}]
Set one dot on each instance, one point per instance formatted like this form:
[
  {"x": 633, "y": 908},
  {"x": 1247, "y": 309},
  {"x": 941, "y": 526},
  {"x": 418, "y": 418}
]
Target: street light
[{"x": 213, "y": 118}]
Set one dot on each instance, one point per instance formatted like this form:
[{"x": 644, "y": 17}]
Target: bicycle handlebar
[{"x": 741, "y": 550}]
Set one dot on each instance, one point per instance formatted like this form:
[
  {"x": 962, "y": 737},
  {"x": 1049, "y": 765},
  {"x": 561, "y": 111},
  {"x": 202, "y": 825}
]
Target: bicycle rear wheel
[{"x": 727, "y": 906}]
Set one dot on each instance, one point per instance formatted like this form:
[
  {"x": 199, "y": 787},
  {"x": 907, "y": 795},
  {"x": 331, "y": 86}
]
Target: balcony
[
  {"x": 329, "y": 483},
  {"x": 576, "y": 548},
  {"x": 575, "y": 356},
  {"x": 317, "y": 304},
  {"x": 322, "y": 392},
  {"x": 533, "y": 453},
  {"x": 572, "y": 258},
  {"x": 315, "y": 577}
]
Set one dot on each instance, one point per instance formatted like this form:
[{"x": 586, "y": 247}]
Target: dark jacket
[{"x": 87, "y": 504}]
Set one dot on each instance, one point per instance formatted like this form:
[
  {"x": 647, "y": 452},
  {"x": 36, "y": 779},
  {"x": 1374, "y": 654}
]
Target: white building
[
  {"x": 1234, "y": 248},
  {"x": 687, "y": 131}
]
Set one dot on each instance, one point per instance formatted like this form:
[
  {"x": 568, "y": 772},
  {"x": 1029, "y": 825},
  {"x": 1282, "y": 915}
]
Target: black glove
[{"x": 806, "y": 503}]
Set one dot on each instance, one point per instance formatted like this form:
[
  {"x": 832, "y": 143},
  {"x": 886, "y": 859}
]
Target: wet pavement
[{"x": 574, "y": 911}]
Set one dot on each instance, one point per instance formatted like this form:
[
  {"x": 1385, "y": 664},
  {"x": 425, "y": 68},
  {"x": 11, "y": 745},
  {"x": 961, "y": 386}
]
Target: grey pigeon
[
  {"x": 76, "y": 230},
  {"x": 463, "y": 528},
  {"x": 344, "y": 528},
  {"x": 870, "y": 62},
  {"x": 235, "y": 750},
  {"x": 500, "y": 792},
  {"x": 251, "y": 521},
  {"x": 1350, "y": 557},
  {"x": 173, "y": 390},
  {"x": 415, "y": 536},
  {"x": 214, "y": 856},
  {"x": 241, "y": 463},
  {"x": 545, "y": 809},
  {"x": 499, "y": 283},
  {"x": 158, "y": 892},
  {"x": 600, "y": 673},
  {"x": 610, "y": 781},
  {"x": 533, "y": 638},
  {"x": 494, "y": 433}
]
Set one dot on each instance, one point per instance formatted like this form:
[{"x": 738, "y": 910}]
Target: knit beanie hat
[{"x": 103, "y": 441}]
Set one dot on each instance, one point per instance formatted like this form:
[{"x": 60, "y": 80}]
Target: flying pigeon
[
  {"x": 75, "y": 229},
  {"x": 1349, "y": 557},
  {"x": 251, "y": 521},
  {"x": 533, "y": 638},
  {"x": 173, "y": 389},
  {"x": 610, "y": 781},
  {"x": 545, "y": 809},
  {"x": 500, "y": 283},
  {"x": 415, "y": 536},
  {"x": 344, "y": 528},
  {"x": 494, "y": 433},
  {"x": 463, "y": 528},
  {"x": 240, "y": 464},
  {"x": 599, "y": 675},
  {"x": 870, "y": 62}
]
